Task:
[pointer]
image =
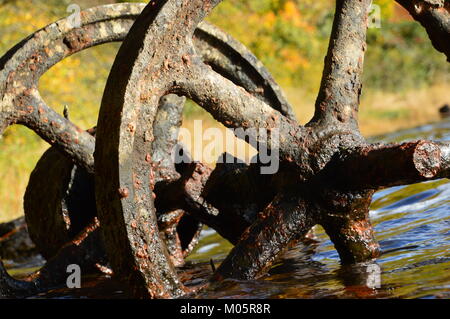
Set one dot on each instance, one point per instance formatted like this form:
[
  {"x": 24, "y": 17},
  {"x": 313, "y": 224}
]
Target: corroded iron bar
[
  {"x": 231, "y": 59},
  {"x": 149, "y": 60},
  {"x": 234, "y": 107},
  {"x": 352, "y": 237},
  {"x": 345, "y": 217},
  {"x": 167, "y": 124},
  {"x": 338, "y": 98},
  {"x": 205, "y": 195},
  {"x": 244, "y": 70},
  {"x": 444, "y": 170},
  {"x": 66, "y": 136},
  {"x": 434, "y": 16},
  {"x": 287, "y": 219},
  {"x": 386, "y": 165}
]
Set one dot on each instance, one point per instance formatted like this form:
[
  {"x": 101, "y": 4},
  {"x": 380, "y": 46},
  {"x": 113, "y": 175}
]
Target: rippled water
[{"x": 412, "y": 224}]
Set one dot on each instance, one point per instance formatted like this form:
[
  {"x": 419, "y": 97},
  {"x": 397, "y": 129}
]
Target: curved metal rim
[{"x": 115, "y": 13}]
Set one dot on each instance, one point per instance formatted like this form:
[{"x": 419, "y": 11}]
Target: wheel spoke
[
  {"x": 242, "y": 68},
  {"x": 56, "y": 130},
  {"x": 236, "y": 108},
  {"x": 338, "y": 98},
  {"x": 285, "y": 220},
  {"x": 167, "y": 124},
  {"x": 352, "y": 233}
]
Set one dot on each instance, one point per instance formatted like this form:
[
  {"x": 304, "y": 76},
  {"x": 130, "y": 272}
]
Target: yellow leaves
[
  {"x": 16, "y": 24},
  {"x": 269, "y": 20},
  {"x": 254, "y": 20},
  {"x": 61, "y": 81},
  {"x": 291, "y": 14},
  {"x": 282, "y": 34},
  {"x": 293, "y": 59},
  {"x": 290, "y": 11}
]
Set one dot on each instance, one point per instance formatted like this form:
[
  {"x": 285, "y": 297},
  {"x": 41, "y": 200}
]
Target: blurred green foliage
[
  {"x": 291, "y": 38},
  {"x": 402, "y": 58}
]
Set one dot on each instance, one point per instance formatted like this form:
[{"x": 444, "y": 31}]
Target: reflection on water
[{"x": 412, "y": 224}]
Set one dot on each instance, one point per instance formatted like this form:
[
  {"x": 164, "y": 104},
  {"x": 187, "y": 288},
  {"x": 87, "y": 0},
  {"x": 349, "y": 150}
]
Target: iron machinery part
[
  {"x": 317, "y": 157},
  {"x": 22, "y": 104},
  {"x": 314, "y": 183},
  {"x": 50, "y": 222},
  {"x": 22, "y": 66}
]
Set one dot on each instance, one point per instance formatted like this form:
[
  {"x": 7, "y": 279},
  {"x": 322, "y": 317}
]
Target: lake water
[{"x": 412, "y": 225}]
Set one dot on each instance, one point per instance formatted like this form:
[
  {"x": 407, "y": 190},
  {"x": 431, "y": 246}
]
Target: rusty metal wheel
[
  {"x": 20, "y": 103},
  {"x": 23, "y": 65},
  {"x": 50, "y": 224},
  {"x": 328, "y": 171},
  {"x": 158, "y": 56}
]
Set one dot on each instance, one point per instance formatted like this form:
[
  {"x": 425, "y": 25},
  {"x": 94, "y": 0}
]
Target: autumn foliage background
[{"x": 405, "y": 79}]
